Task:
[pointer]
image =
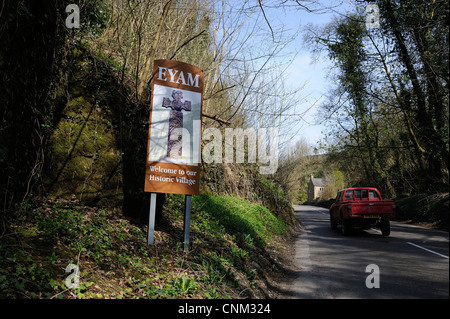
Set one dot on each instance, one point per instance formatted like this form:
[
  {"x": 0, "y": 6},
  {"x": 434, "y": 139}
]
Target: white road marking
[
  {"x": 427, "y": 250},
  {"x": 377, "y": 230}
]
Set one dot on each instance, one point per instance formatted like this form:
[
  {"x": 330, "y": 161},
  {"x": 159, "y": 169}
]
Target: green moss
[{"x": 83, "y": 158}]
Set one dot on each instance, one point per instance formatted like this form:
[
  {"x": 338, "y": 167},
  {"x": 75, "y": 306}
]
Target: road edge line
[{"x": 431, "y": 251}]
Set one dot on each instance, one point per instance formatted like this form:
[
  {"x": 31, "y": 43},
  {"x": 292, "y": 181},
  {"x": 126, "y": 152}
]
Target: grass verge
[{"x": 228, "y": 259}]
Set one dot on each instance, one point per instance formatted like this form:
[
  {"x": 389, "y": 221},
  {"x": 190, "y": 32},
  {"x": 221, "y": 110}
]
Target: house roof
[{"x": 322, "y": 182}]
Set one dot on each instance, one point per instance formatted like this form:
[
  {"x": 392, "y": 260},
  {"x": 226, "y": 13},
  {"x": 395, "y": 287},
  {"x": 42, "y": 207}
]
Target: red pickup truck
[{"x": 361, "y": 207}]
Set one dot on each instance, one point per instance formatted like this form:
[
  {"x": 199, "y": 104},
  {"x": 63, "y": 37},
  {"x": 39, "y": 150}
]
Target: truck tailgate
[{"x": 373, "y": 209}]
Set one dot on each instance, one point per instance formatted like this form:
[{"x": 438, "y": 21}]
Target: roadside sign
[
  {"x": 173, "y": 151},
  {"x": 174, "y": 135}
]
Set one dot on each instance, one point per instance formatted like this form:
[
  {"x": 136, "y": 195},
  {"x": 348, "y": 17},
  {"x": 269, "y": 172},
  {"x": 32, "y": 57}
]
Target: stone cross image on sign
[
  {"x": 173, "y": 153},
  {"x": 175, "y": 121}
]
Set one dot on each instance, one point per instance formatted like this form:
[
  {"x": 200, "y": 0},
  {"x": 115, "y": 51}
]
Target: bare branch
[{"x": 265, "y": 18}]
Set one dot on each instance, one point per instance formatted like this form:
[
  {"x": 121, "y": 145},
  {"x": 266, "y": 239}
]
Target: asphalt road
[{"x": 413, "y": 261}]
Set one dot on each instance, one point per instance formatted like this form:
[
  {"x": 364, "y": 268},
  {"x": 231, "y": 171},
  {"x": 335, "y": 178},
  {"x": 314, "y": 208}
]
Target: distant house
[{"x": 315, "y": 188}]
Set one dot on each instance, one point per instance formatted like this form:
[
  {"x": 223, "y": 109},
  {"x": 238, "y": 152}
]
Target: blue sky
[
  {"x": 314, "y": 76},
  {"x": 302, "y": 72}
]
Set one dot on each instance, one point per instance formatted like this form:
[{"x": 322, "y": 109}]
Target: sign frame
[{"x": 165, "y": 173}]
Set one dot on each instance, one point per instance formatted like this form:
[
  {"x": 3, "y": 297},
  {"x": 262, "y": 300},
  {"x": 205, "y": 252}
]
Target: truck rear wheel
[
  {"x": 385, "y": 226},
  {"x": 333, "y": 223},
  {"x": 346, "y": 227}
]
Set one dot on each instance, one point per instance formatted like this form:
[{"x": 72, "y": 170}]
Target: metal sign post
[
  {"x": 151, "y": 219},
  {"x": 187, "y": 221}
]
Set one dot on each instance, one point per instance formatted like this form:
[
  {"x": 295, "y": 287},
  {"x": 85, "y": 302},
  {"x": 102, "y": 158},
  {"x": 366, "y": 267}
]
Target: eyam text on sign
[{"x": 173, "y": 152}]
